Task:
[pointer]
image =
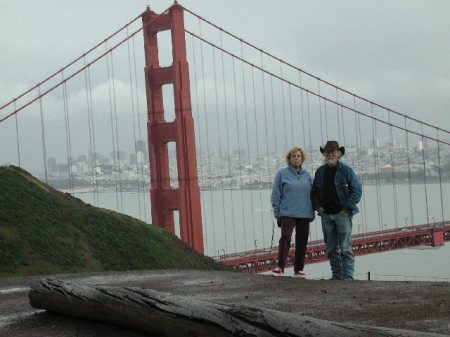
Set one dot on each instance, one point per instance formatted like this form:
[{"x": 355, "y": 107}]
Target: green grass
[{"x": 44, "y": 231}]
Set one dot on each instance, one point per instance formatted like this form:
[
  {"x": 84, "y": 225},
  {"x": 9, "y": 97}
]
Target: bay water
[{"x": 241, "y": 220}]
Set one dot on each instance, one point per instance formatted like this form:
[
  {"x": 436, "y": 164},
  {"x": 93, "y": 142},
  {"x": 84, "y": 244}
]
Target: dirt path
[{"x": 420, "y": 306}]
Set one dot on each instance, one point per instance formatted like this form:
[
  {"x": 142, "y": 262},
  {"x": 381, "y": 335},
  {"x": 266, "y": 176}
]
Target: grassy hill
[{"x": 44, "y": 231}]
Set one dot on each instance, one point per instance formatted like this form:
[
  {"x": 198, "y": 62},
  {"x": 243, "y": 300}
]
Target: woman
[{"x": 292, "y": 207}]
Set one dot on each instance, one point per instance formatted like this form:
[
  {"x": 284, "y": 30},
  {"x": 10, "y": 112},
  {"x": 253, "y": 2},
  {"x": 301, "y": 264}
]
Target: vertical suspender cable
[
  {"x": 266, "y": 129},
  {"x": 358, "y": 135},
  {"x": 424, "y": 174},
  {"x": 361, "y": 173},
  {"x": 309, "y": 155},
  {"x": 274, "y": 124},
  {"x": 284, "y": 107},
  {"x": 258, "y": 158},
  {"x": 143, "y": 184},
  {"x": 343, "y": 124},
  {"x": 68, "y": 138},
  {"x": 320, "y": 113},
  {"x": 302, "y": 112},
  {"x": 91, "y": 165},
  {"x": 216, "y": 92},
  {"x": 440, "y": 174},
  {"x": 325, "y": 113},
  {"x": 409, "y": 177},
  {"x": 393, "y": 176},
  {"x": 310, "y": 147},
  {"x": 200, "y": 146},
  {"x": 239, "y": 155},
  {"x": 247, "y": 138},
  {"x": 379, "y": 191},
  {"x": 207, "y": 147},
  {"x": 17, "y": 136},
  {"x": 309, "y": 128},
  {"x": 112, "y": 129},
  {"x": 275, "y": 144},
  {"x": 364, "y": 199},
  {"x": 133, "y": 112},
  {"x": 117, "y": 131},
  {"x": 291, "y": 113},
  {"x": 376, "y": 167},
  {"x": 44, "y": 150},
  {"x": 92, "y": 150},
  {"x": 338, "y": 118},
  {"x": 228, "y": 143}
]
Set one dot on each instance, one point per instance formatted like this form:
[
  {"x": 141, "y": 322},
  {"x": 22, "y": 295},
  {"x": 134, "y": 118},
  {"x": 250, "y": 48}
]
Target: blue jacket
[
  {"x": 347, "y": 185},
  {"x": 291, "y": 194}
]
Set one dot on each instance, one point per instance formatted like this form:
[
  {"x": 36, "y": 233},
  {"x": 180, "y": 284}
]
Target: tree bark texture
[{"x": 163, "y": 314}]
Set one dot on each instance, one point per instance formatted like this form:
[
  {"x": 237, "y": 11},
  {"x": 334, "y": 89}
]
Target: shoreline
[{"x": 80, "y": 190}]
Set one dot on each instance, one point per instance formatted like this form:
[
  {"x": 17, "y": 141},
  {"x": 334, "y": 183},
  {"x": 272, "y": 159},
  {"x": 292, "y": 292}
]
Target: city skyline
[{"x": 382, "y": 163}]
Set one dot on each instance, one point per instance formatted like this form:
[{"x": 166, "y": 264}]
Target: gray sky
[{"x": 396, "y": 52}]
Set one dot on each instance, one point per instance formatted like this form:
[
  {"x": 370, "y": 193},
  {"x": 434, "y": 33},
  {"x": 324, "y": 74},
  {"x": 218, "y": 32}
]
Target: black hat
[{"x": 332, "y": 145}]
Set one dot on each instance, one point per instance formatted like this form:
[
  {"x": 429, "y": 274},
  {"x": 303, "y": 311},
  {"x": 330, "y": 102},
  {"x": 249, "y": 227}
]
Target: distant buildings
[{"x": 379, "y": 162}]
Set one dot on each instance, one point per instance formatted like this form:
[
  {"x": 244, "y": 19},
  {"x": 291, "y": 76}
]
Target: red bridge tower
[{"x": 164, "y": 199}]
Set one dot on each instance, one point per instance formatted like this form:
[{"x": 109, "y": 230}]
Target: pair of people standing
[{"x": 334, "y": 194}]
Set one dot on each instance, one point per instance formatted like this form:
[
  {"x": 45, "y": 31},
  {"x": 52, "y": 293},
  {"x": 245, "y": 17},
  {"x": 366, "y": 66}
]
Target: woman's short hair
[{"x": 292, "y": 150}]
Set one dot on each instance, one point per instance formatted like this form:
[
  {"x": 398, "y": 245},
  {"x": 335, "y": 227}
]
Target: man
[{"x": 336, "y": 191}]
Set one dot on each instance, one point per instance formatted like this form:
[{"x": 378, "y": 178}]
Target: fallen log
[{"x": 164, "y": 314}]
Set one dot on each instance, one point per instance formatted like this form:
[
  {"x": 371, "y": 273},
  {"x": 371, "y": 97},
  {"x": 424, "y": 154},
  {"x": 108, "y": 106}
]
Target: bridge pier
[{"x": 438, "y": 237}]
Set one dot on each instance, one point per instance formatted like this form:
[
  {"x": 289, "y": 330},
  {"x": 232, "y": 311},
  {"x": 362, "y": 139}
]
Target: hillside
[{"x": 44, "y": 231}]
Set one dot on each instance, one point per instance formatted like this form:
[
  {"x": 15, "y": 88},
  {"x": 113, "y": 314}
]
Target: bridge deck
[{"x": 262, "y": 260}]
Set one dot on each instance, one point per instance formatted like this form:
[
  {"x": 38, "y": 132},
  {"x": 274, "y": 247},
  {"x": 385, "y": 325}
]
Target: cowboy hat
[{"x": 332, "y": 145}]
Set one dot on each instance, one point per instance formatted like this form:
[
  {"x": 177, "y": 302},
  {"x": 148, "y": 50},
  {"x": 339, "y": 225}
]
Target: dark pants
[{"x": 301, "y": 240}]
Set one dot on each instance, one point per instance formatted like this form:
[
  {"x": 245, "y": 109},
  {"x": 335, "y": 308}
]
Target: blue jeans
[{"x": 337, "y": 233}]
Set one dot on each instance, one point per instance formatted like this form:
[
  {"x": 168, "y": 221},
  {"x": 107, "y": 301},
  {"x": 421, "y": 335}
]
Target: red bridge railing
[{"x": 262, "y": 260}]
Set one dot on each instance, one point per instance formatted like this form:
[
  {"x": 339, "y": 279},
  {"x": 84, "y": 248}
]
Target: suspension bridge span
[{"x": 173, "y": 104}]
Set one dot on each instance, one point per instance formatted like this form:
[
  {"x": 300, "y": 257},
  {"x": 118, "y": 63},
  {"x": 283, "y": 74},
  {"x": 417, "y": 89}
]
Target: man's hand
[
  {"x": 345, "y": 212},
  {"x": 320, "y": 211}
]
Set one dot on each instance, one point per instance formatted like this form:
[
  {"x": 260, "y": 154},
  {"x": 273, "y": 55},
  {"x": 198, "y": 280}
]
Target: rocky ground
[{"x": 419, "y": 306}]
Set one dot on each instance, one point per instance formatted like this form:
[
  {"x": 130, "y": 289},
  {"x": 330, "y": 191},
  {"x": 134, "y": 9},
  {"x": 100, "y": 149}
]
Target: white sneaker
[
  {"x": 299, "y": 274},
  {"x": 278, "y": 272}
]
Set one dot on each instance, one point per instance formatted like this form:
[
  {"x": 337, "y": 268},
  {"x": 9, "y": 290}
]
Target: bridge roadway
[{"x": 262, "y": 260}]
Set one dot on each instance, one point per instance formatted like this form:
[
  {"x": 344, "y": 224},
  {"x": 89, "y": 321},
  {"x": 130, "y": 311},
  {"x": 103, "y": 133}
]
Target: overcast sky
[{"x": 395, "y": 52}]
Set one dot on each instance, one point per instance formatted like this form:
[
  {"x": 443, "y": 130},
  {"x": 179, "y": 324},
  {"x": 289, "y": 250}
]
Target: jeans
[
  {"x": 301, "y": 240},
  {"x": 337, "y": 233}
]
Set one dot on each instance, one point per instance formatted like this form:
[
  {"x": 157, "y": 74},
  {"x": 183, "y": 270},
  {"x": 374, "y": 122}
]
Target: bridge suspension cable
[
  {"x": 133, "y": 112},
  {"x": 293, "y": 115},
  {"x": 44, "y": 151},
  {"x": 17, "y": 136},
  {"x": 76, "y": 72},
  {"x": 69, "y": 64},
  {"x": 318, "y": 79},
  {"x": 67, "y": 132},
  {"x": 91, "y": 131},
  {"x": 377, "y": 119}
]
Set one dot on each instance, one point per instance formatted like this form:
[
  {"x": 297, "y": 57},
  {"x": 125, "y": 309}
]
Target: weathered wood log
[{"x": 163, "y": 314}]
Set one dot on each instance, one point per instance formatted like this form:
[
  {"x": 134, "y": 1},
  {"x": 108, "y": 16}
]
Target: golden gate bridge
[{"x": 221, "y": 112}]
